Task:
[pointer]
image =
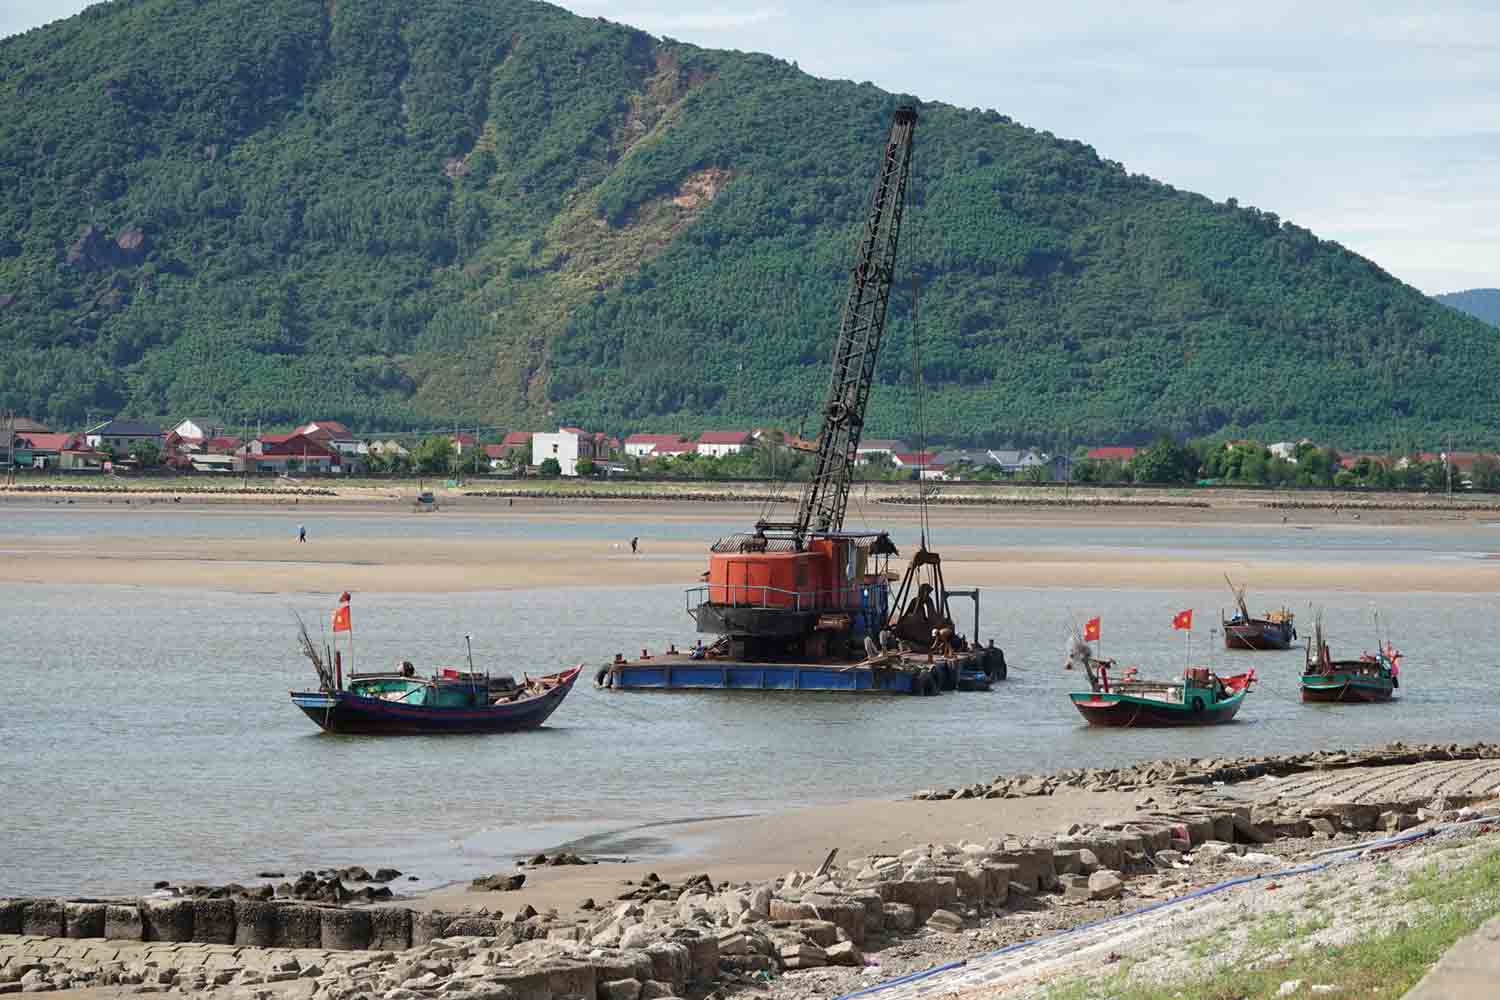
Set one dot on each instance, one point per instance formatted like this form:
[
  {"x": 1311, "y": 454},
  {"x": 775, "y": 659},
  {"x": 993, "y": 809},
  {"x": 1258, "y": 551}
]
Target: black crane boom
[{"x": 826, "y": 494}]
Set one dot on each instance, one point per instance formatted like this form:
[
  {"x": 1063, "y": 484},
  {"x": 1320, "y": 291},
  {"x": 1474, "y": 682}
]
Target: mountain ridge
[
  {"x": 1481, "y": 303},
  {"x": 503, "y": 213}
]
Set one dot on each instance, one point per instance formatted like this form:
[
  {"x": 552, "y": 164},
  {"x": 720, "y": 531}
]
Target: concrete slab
[{"x": 1470, "y": 970}]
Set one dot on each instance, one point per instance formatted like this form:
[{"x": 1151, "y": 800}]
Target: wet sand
[
  {"x": 437, "y": 564},
  {"x": 748, "y": 848}
]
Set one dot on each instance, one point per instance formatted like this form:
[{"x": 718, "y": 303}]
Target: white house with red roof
[
  {"x": 644, "y": 445},
  {"x": 717, "y": 444},
  {"x": 333, "y": 434},
  {"x": 289, "y": 453}
]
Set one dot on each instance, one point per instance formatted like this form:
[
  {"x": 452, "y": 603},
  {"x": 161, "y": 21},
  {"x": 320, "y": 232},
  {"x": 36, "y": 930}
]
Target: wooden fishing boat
[
  {"x": 403, "y": 702},
  {"x": 1276, "y": 630},
  {"x": 450, "y": 701},
  {"x": 1367, "y": 679},
  {"x": 1199, "y": 698}
]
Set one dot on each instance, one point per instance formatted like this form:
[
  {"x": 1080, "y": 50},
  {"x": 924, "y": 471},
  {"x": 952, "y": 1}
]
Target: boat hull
[
  {"x": 1343, "y": 689},
  {"x": 346, "y": 713},
  {"x": 679, "y": 672},
  {"x": 1258, "y": 635},
  {"x": 1125, "y": 711}
]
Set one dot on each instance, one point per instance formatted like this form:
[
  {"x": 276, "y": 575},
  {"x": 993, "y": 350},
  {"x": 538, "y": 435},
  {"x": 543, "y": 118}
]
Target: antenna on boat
[{"x": 470, "y": 647}]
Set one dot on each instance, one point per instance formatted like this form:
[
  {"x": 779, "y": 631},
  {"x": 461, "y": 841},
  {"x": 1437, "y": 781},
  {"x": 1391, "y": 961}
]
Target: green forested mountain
[
  {"x": 1481, "y": 303},
  {"x": 494, "y": 211}
]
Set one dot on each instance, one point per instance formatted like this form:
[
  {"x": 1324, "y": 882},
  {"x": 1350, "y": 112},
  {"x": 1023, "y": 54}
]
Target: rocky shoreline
[
  {"x": 1208, "y": 771},
  {"x": 845, "y": 920}
]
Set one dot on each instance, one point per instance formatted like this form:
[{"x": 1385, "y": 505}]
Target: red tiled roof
[
  {"x": 465, "y": 439},
  {"x": 224, "y": 444},
  {"x": 45, "y": 442},
  {"x": 723, "y": 437},
  {"x": 1113, "y": 453},
  {"x": 333, "y": 427},
  {"x": 516, "y": 438}
]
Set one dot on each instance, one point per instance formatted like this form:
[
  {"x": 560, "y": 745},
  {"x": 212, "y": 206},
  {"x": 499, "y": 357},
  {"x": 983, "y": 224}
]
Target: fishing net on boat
[{"x": 310, "y": 650}]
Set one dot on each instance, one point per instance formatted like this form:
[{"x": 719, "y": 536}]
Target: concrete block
[
  {"x": 255, "y": 923},
  {"x": 84, "y": 920},
  {"x": 900, "y": 917},
  {"x": 874, "y": 910},
  {"x": 123, "y": 922},
  {"x": 390, "y": 928},
  {"x": 213, "y": 921},
  {"x": 298, "y": 926},
  {"x": 1247, "y": 832},
  {"x": 923, "y": 895},
  {"x": 342, "y": 929},
  {"x": 847, "y": 915},
  {"x": 802, "y": 955},
  {"x": 820, "y": 932},
  {"x": 1223, "y": 827},
  {"x": 620, "y": 989},
  {"x": 524, "y": 983},
  {"x": 10, "y": 915},
  {"x": 703, "y": 955},
  {"x": 569, "y": 978},
  {"x": 670, "y": 963},
  {"x": 782, "y": 909},
  {"x": 167, "y": 919},
  {"x": 427, "y": 927},
  {"x": 43, "y": 918}
]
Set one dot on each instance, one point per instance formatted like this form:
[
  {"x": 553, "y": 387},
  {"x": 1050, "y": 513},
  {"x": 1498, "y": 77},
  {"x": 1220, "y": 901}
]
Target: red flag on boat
[
  {"x": 1091, "y": 630},
  {"x": 341, "y": 614},
  {"x": 1183, "y": 620}
]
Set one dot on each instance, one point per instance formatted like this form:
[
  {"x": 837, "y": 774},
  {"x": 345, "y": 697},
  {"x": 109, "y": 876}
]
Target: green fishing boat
[
  {"x": 1367, "y": 679},
  {"x": 1199, "y": 698}
]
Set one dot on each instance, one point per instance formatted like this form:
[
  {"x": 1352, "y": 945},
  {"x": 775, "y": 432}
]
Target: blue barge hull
[
  {"x": 678, "y": 672},
  {"x": 761, "y": 677}
]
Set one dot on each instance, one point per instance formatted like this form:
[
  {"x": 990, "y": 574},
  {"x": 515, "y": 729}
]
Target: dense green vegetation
[
  {"x": 1481, "y": 303},
  {"x": 494, "y": 211}
]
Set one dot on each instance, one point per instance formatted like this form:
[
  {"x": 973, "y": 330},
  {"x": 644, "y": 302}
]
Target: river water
[{"x": 147, "y": 733}]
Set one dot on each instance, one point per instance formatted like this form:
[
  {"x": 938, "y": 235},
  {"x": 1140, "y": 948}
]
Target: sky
[{"x": 1372, "y": 123}]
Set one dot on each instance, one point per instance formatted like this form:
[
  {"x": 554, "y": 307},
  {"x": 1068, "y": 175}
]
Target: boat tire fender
[
  {"x": 601, "y": 678},
  {"x": 1197, "y": 703},
  {"x": 998, "y": 669},
  {"x": 928, "y": 685}
]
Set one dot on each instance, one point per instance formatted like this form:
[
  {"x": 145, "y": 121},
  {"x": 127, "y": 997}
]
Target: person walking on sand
[
  {"x": 301, "y": 533},
  {"x": 634, "y": 544}
]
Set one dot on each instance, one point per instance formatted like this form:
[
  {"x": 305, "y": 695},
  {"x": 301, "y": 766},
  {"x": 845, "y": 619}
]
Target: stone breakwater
[
  {"x": 1207, "y": 771},
  {"x": 659, "y": 940},
  {"x": 144, "y": 486}
]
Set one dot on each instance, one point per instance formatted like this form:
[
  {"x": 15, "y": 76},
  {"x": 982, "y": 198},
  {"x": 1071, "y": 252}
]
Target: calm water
[{"x": 148, "y": 735}]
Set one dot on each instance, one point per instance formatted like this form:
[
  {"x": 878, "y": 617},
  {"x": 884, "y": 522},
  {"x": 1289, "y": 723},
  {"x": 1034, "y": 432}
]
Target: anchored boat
[
  {"x": 1367, "y": 679},
  {"x": 1276, "y": 630},
  {"x": 1198, "y": 698},
  {"x": 403, "y": 702},
  {"x": 803, "y": 604}
]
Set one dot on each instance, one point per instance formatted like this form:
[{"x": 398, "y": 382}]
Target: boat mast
[{"x": 825, "y": 497}]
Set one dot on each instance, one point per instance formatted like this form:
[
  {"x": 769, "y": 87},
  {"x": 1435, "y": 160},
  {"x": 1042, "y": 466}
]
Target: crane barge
[{"x": 804, "y": 604}]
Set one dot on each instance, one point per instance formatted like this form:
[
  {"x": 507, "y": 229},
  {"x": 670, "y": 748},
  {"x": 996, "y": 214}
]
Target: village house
[
  {"x": 569, "y": 446},
  {"x": 878, "y": 450},
  {"x": 123, "y": 436},
  {"x": 197, "y": 429},
  {"x": 333, "y": 434},
  {"x": 293, "y": 452},
  {"x": 717, "y": 444},
  {"x": 82, "y": 458},
  {"x": 1112, "y": 453},
  {"x": 43, "y": 451},
  {"x": 928, "y": 462},
  {"x": 656, "y": 445}
]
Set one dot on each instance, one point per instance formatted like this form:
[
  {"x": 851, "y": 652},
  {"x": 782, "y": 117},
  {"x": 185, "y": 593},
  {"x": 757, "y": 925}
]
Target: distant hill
[
  {"x": 1481, "y": 303},
  {"x": 493, "y": 211}
]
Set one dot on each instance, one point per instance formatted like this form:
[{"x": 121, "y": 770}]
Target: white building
[
  {"x": 876, "y": 449},
  {"x": 641, "y": 445},
  {"x": 570, "y": 445},
  {"x": 717, "y": 444}
]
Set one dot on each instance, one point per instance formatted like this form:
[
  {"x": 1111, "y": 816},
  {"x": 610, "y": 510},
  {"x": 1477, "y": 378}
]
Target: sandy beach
[
  {"x": 433, "y": 564},
  {"x": 751, "y": 848}
]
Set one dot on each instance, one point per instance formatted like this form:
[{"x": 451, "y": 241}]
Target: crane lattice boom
[{"x": 826, "y": 495}]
